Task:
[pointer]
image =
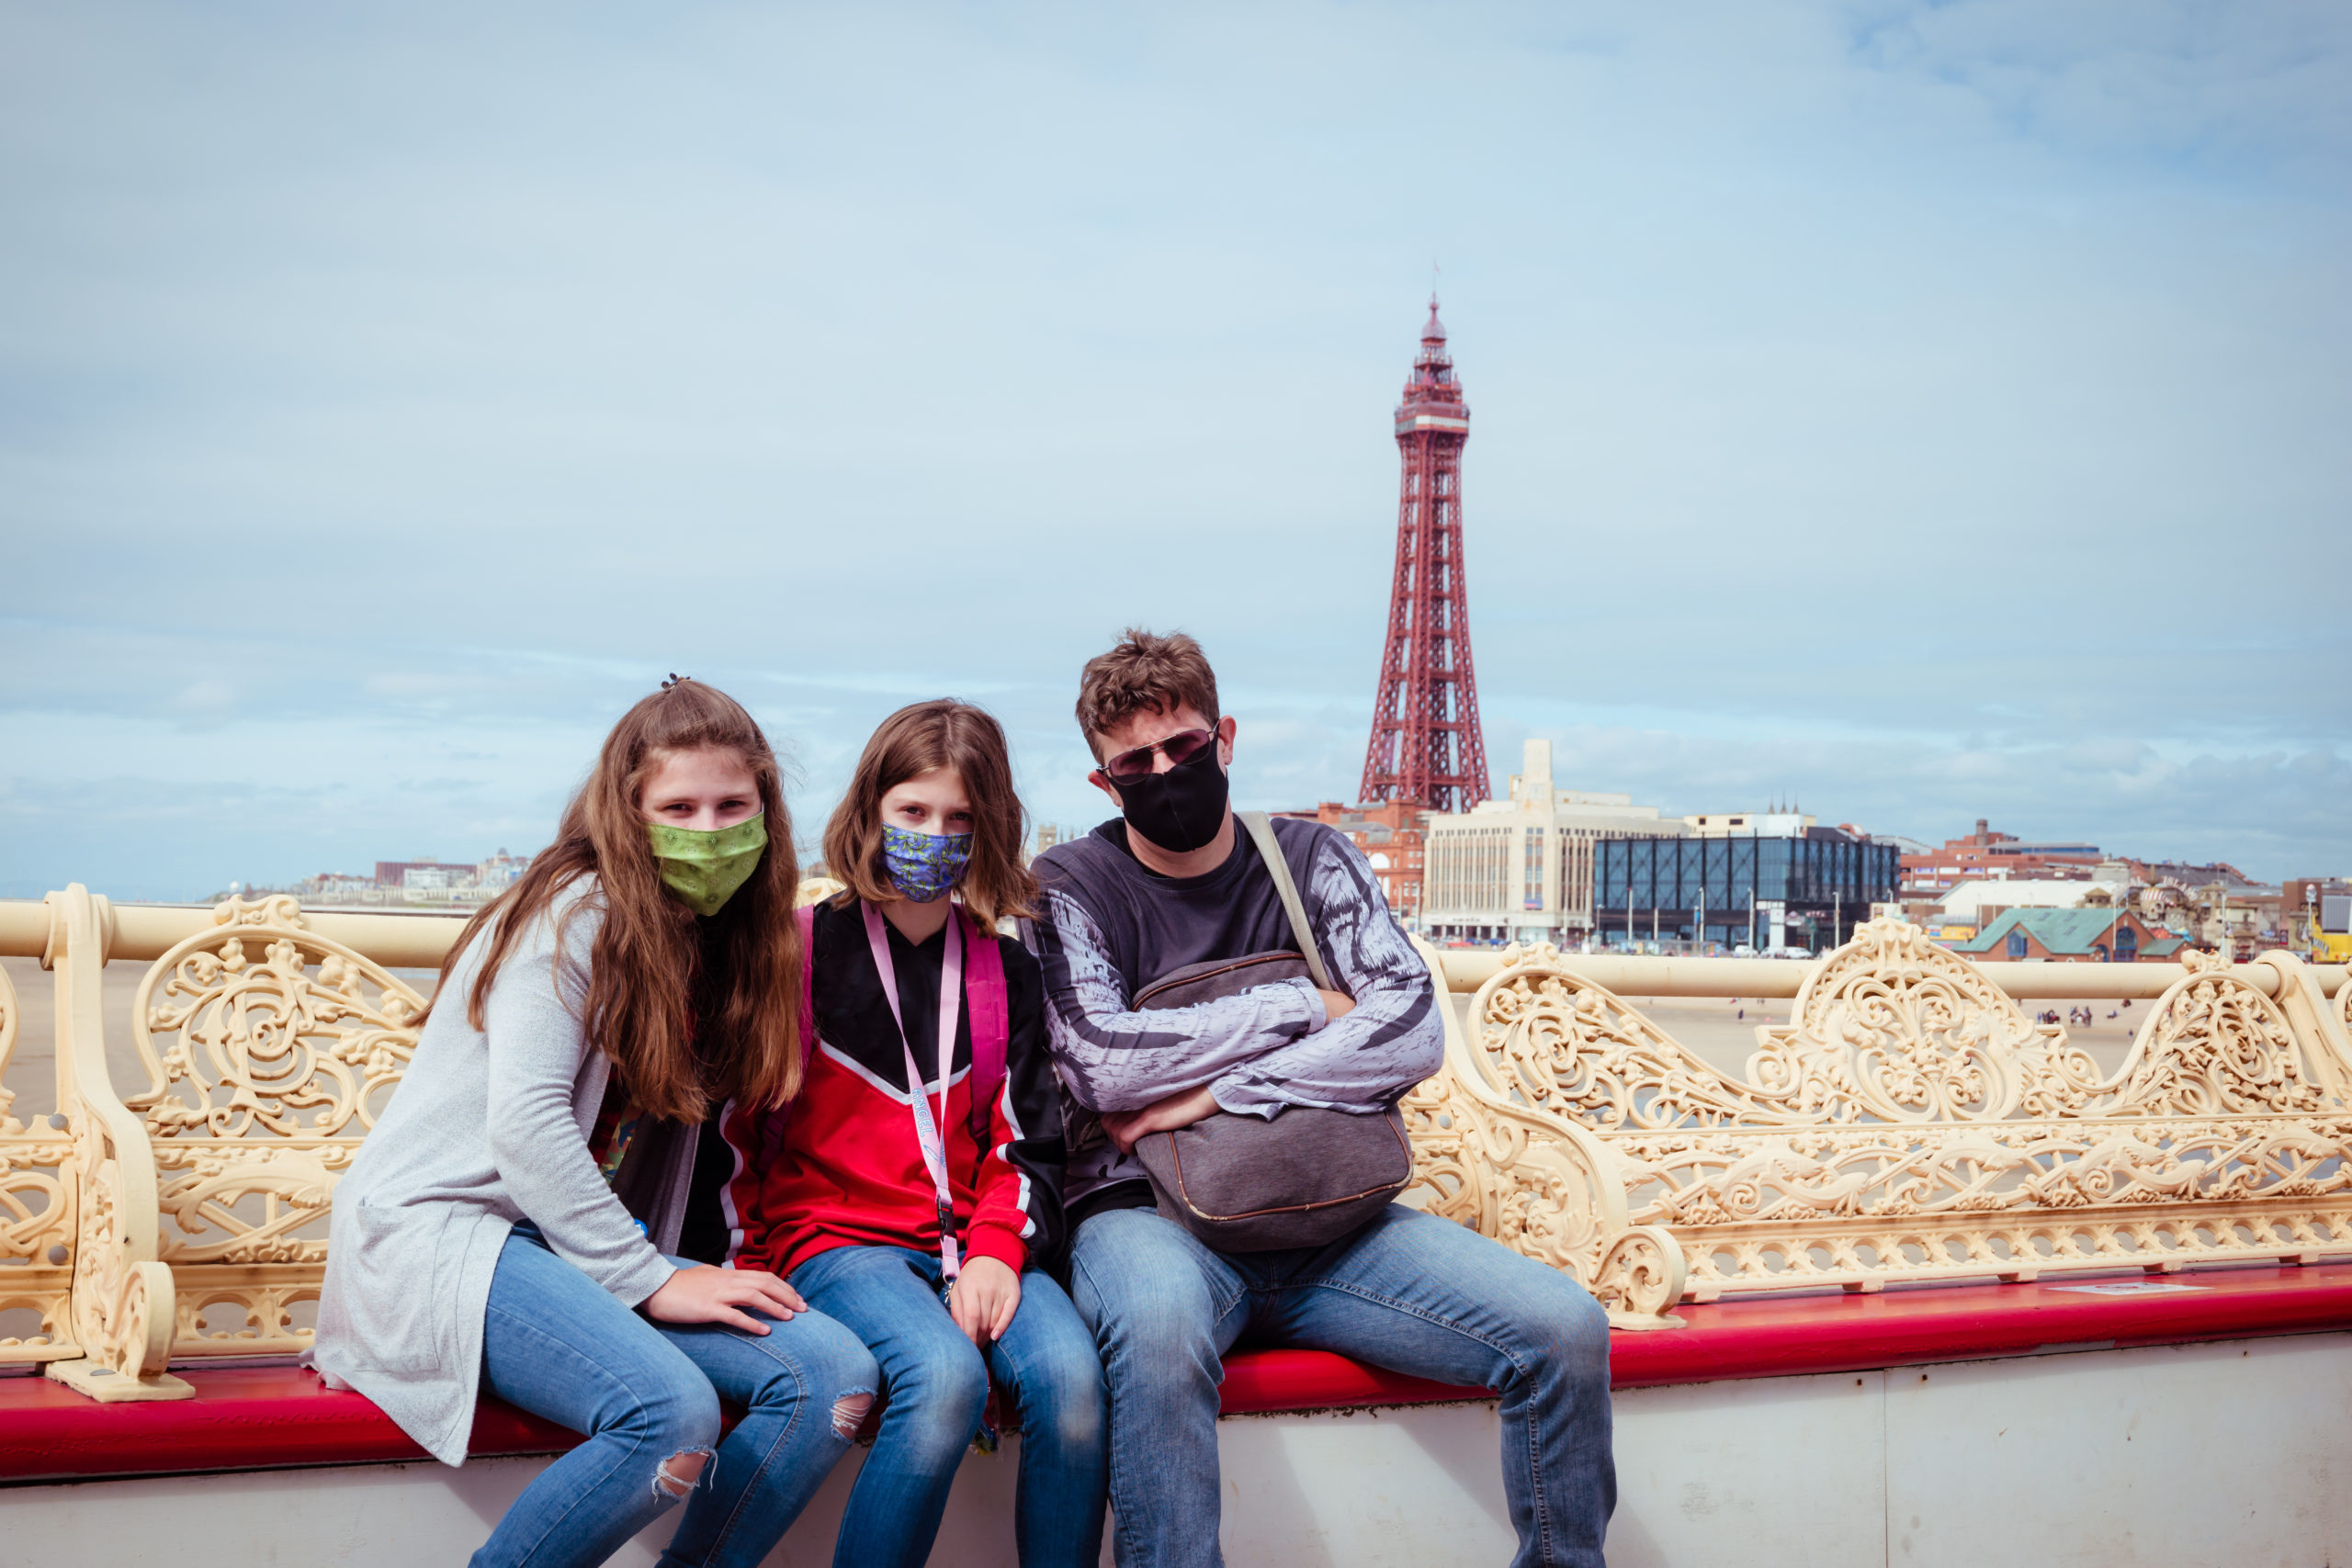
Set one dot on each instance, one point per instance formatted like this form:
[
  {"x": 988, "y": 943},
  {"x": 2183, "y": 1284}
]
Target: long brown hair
[
  {"x": 641, "y": 974},
  {"x": 943, "y": 733}
]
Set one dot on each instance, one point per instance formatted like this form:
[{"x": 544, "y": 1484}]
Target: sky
[{"x": 1921, "y": 413}]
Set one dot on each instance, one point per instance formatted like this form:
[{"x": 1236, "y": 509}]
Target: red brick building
[{"x": 1987, "y": 853}]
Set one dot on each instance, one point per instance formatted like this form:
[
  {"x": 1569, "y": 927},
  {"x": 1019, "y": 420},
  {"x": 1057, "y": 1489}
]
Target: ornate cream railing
[
  {"x": 182, "y": 1215},
  {"x": 1908, "y": 1122}
]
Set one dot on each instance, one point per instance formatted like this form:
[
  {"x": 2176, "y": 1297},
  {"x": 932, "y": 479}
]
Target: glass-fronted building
[
  {"x": 1519, "y": 869},
  {"x": 1805, "y": 890}
]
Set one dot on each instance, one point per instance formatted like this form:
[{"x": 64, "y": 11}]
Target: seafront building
[
  {"x": 1519, "y": 869},
  {"x": 2078, "y": 936},
  {"x": 1569, "y": 867},
  {"x": 1789, "y": 884},
  {"x": 1930, "y": 872},
  {"x": 1977, "y": 901},
  {"x": 401, "y": 883}
]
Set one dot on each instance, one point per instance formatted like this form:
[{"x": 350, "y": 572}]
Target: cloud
[
  {"x": 2230, "y": 88},
  {"x": 1936, "y": 409}
]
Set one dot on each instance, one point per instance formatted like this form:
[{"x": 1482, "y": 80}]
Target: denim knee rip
[
  {"x": 690, "y": 1465},
  {"x": 848, "y": 1412}
]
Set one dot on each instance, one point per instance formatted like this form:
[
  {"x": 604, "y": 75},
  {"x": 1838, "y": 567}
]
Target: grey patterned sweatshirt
[{"x": 1110, "y": 928}]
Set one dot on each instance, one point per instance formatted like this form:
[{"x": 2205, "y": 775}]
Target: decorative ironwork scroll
[
  {"x": 1910, "y": 1123},
  {"x": 36, "y": 1218},
  {"x": 2214, "y": 1044},
  {"x": 1541, "y": 1185},
  {"x": 270, "y": 1051}
]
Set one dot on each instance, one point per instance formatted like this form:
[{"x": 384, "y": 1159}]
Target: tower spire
[{"x": 1426, "y": 744}]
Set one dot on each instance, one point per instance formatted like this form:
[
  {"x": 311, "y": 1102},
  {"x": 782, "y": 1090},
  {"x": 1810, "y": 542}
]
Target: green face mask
[{"x": 704, "y": 867}]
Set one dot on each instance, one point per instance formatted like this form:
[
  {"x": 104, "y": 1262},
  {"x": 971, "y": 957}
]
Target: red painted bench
[{"x": 270, "y": 1418}]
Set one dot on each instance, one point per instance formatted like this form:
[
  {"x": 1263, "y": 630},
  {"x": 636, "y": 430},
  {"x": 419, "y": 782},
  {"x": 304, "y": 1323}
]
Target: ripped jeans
[
  {"x": 1046, "y": 1368},
  {"x": 558, "y": 1345}
]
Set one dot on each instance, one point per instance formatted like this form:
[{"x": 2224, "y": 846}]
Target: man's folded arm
[
  {"x": 1113, "y": 1058},
  {"x": 1393, "y": 1039}
]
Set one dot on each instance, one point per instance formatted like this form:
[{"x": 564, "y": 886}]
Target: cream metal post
[{"x": 123, "y": 1305}]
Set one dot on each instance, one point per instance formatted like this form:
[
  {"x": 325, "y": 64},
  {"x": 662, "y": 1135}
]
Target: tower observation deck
[{"x": 1426, "y": 744}]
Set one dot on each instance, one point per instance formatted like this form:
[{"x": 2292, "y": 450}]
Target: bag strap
[
  {"x": 984, "y": 995},
  {"x": 1262, "y": 833}
]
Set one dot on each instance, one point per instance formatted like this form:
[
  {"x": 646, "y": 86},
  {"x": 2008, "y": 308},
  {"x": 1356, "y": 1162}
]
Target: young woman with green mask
[{"x": 540, "y": 1208}]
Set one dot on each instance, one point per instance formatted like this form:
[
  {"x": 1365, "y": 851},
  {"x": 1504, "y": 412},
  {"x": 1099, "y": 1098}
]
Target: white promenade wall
[{"x": 2236, "y": 1453}]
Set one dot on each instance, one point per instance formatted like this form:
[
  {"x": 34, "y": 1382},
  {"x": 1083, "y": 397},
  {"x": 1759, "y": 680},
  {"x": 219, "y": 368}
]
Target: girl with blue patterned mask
[
  {"x": 914, "y": 1193},
  {"x": 926, "y": 843}
]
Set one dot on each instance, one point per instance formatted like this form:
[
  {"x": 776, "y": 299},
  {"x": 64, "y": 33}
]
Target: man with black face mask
[{"x": 1172, "y": 883}]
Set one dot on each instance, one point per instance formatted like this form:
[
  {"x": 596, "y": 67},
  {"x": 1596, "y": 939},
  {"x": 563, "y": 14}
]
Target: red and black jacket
[{"x": 841, "y": 1166}]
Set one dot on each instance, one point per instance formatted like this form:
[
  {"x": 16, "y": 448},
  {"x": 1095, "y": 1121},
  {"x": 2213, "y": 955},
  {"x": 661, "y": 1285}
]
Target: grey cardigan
[{"x": 488, "y": 1127}]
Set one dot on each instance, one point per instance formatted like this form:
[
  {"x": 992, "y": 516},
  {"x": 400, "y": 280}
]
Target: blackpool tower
[{"x": 1426, "y": 745}]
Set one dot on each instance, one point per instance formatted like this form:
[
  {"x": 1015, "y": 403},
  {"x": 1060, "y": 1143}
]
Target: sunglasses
[{"x": 1181, "y": 747}]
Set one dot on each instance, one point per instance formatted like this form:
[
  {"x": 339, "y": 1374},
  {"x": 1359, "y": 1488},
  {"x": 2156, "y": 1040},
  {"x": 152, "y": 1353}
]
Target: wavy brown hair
[
  {"x": 911, "y": 742},
  {"x": 642, "y": 981}
]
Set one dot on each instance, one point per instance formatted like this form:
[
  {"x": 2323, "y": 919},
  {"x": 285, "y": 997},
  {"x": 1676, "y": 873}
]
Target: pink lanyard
[{"x": 951, "y": 1001}]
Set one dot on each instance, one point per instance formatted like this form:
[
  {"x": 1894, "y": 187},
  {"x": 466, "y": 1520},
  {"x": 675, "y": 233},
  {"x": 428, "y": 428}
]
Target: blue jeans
[
  {"x": 1410, "y": 1292},
  {"x": 559, "y": 1345},
  {"x": 937, "y": 1386}
]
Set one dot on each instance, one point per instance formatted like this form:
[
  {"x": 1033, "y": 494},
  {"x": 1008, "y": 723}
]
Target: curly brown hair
[{"x": 1145, "y": 672}]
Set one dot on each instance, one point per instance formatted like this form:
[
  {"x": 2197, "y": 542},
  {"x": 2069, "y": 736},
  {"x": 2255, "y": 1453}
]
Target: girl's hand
[
  {"x": 984, "y": 1299},
  {"x": 705, "y": 1294}
]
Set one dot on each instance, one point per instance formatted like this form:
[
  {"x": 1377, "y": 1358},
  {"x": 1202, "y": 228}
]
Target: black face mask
[{"x": 1182, "y": 809}]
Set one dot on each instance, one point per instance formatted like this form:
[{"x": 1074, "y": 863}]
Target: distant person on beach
[
  {"x": 541, "y": 1208},
  {"x": 1172, "y": 884},
  {"x": 914, "y": 1190}
]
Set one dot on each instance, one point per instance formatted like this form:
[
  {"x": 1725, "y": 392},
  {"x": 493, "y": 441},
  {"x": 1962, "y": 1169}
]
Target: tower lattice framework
[{"x": 1426, "y": 743}]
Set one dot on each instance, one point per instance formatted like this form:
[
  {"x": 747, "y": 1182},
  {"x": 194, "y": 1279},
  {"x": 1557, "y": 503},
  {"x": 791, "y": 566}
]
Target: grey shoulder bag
[{"x": 1304, "y": 1178}]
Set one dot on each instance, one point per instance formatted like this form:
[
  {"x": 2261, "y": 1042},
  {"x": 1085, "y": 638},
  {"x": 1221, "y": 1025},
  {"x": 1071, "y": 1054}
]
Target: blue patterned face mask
[{"x": 925, "y": 865}]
